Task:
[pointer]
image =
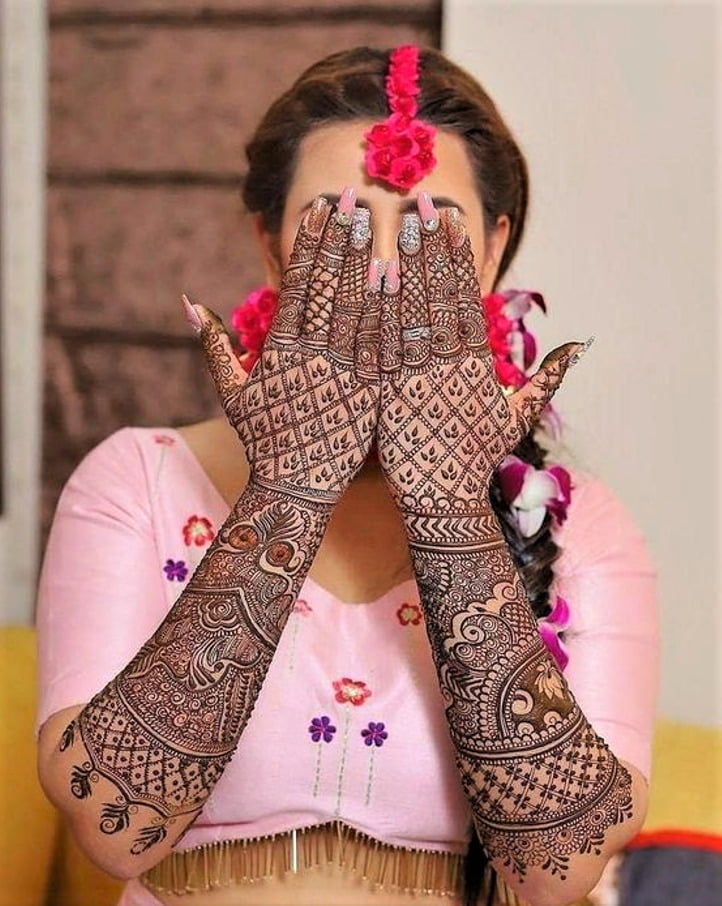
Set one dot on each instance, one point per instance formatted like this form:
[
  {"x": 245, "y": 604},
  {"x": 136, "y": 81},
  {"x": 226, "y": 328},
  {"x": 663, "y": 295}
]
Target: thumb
[
  {"x": 530, "y": 401},
  {"x": 223, "y": 363}
]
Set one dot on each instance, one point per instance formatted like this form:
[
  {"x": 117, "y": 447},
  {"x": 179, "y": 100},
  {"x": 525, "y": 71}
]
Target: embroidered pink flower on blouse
[
  {"x": 251, "y": 320},
  {"x": 513, "y": 346},
  {"x": 198, "y": 530},
  {"x": 302, "y": 607},
  {"x": 400, "y": 149},
  {"x": 354, "y": 692},
  {"x": 550, "y": 629},
  {"x": 164, "y": 440},
  {"x": 533, "y": 492},
  {"x": 409, "y": 614}
]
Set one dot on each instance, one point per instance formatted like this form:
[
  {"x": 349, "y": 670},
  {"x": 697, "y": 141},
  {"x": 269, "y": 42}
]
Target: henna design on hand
[
  {"x": 542, "y": 784},
  {"x": 162, "y": 731}
]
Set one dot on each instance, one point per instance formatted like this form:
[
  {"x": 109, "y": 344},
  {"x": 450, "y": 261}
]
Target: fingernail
[
  {"x": 317, "y": 215},
  {"x": 457, "y": 231},
  {"x": 346, "y": 204},
  {"x": 360, "y": 227},
  {"x": 377, "y": 267},
  {"x": 392, "y": 281},
  {"x": 192, "y": 315},
  {"x": 428, "y": 213},
  {"x": 410, "y": 235},
  {"x": 580, "y": 352}
]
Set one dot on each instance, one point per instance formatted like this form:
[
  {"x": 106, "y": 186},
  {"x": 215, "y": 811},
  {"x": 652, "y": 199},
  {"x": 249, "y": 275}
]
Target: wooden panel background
[{"x": 150, "y": 104}]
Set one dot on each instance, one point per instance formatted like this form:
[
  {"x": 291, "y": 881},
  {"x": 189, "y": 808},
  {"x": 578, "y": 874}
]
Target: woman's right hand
[{"x": 307, "y": 413}]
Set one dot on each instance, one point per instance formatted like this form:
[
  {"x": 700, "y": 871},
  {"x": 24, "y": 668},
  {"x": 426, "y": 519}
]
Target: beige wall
[
  {"x": 615, "y": 106},
  {"x": 22, "y": 143}
]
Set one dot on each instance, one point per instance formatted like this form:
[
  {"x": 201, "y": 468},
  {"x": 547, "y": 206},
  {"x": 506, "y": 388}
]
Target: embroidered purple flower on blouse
[
  {"x": 175, "y": 569},
  {"x": 375, "y": 734},
  {"x": 550, "y": 629},
  {"x": 321, "y": 728}
]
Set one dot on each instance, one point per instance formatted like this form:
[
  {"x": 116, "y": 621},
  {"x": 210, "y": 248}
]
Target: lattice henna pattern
[
  {"x": 164, "y": 729},
  {"x": 543, "y": 786}
]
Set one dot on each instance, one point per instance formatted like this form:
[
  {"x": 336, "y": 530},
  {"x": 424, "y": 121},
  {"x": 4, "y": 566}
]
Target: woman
[{"x": 353, "y": 677}]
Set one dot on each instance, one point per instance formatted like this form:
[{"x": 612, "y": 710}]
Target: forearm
[
  {"x": 140, "y": 760},
  {"x": 549, "y": 799}
]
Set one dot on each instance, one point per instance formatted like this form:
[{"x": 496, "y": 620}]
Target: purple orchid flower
[
  {"x": 532, "y": 493},
  {"x": 550, "y": 629}
]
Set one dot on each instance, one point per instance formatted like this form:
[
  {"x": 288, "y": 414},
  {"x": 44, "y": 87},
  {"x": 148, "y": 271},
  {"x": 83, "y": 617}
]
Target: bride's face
[{"x": 332, "y": 157}]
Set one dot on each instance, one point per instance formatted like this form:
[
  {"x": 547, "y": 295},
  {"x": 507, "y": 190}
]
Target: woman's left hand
[{"x": 445, "y": 423}]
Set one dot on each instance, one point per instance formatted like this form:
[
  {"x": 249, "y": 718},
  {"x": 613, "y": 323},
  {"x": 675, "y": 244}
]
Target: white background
[{"x": 617, "y": 109}]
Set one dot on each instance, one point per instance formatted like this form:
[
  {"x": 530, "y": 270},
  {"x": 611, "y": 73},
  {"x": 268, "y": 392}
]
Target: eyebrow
[{"x": 408, "y": 206}]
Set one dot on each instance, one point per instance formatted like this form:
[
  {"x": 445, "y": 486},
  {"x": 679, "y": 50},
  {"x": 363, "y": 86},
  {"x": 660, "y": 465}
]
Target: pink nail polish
[
  {"x": 428, "y": 213},
  {"x": 347, "y": 201},
  {"x": 392, "y": 281},
  {"x": 377, "y": 268},
  {"x": 192, "y": 315}
]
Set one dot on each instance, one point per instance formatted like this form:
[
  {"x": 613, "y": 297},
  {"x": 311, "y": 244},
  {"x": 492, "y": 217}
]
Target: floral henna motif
[
  {"x": 163, "y": 730},
  {"x": 542, "y": 785}
]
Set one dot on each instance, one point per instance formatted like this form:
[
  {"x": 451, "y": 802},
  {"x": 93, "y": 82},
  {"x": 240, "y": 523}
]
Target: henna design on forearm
[
  {"x": 543, "y": 786},
  {"x": 164, "y": 729}
]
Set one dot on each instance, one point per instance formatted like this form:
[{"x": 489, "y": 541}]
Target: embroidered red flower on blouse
[
  {"x": 400, "y": 149},
  {"x": 351, "y": 691},
  {"x": 409, "y": 614},
  {"x": 198, "y": 530}
]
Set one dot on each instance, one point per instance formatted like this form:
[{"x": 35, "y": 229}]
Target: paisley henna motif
[
  {"x": 163, "y": 730},
  {"x": 542, "y": 785}
]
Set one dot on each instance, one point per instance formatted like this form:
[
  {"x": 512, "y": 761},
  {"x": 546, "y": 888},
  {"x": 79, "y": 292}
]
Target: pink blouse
[{"x": 349, "y": 724}]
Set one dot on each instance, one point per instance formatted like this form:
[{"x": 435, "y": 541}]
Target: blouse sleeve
[
  {"x": 100, "y": 594},
  {"x": 609, "y": 582}
]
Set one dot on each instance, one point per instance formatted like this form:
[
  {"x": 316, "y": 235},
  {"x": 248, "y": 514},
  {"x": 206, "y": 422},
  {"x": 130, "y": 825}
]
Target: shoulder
[{"x": 599, "y": 529}]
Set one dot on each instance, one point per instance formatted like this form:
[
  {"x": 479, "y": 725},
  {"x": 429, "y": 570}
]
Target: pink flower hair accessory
[
  {"x": 400, "y": 149},
  {"x": 252, "y": 320},
  {"x": 532, "y": 493},
  {"x": 550, "y": 629}
]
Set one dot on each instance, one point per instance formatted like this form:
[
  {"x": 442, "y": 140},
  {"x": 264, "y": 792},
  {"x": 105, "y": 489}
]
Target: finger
[
  {"x": 348, "y": 306},
  {"x": 441, "y": 280},
  {"x": 390, "y": 350},
  {"x": 326, "y": 273},
  {"x": 415, "y": 333},
  {"x": 368, "y": 337},
  {"x": 529, "y": 402},
  {"x": 223, "y": 364},
  {"x": 471, "y": 321},
  {"x": 286, "y": 325}
]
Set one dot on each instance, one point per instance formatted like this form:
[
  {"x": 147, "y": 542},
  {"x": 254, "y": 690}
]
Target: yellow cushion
[{"x": 29, "y": 822}]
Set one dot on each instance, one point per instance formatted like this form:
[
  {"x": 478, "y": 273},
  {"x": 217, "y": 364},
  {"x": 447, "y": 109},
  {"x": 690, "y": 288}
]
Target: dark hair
[{"x": 349, "y": 85}]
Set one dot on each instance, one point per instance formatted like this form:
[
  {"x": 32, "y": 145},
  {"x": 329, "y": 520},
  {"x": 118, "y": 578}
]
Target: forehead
[{"x": 332, "y": 156}]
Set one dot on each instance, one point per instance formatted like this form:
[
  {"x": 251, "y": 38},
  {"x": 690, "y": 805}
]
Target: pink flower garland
[
  {"x": 400, "y": 149},
  {"x": 513, "y": 346},
  {"x": 251, "y": 321}
]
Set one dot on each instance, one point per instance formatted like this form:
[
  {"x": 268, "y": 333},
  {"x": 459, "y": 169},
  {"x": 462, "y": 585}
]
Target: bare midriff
[{"x": 327, "y": 885}]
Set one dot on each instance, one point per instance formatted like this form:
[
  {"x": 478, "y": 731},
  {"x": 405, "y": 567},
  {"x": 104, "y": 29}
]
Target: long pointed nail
[
  {"x": 377, "y": 268},
  {"x": 584, "y": 348},
  {"x": 428, "y": 213},
  {"x": 192, "y": 315},
  {"x": 457, "y": 230},
  {"x": 346, "y": 204},
  {"x": 317, "y": 215},
  {"x": 360, "y": 227},
  {"x": 410, "y": 235},
  {"x": 392, "y": 281}
]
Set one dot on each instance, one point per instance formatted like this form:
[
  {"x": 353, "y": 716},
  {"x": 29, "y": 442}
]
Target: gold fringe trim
[{"x": 386, "y": 867}]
